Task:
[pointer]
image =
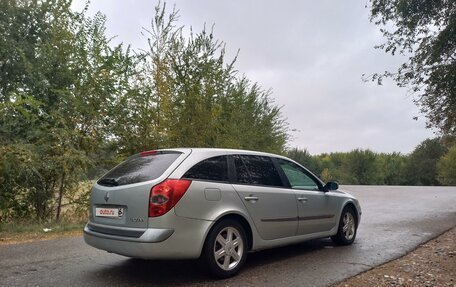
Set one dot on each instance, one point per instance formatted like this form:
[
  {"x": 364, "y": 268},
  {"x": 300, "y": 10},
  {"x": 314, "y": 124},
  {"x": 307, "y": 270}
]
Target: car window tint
[
  {"x": 242, "y": 175},
  {"x": 139, "y": 168},
  {"x": 261, "y": 170},
  {"x": 297, "y": 176},
  {"x": 215, "y": 168}
]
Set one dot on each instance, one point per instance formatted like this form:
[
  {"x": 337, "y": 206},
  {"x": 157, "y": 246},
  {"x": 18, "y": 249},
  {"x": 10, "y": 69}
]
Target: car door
[
  {"x": 271, "y": 206},
  {"x": 316, "y": 208}
]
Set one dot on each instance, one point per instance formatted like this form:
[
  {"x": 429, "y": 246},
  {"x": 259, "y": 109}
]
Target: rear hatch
[{"x": 120, "y": 199}]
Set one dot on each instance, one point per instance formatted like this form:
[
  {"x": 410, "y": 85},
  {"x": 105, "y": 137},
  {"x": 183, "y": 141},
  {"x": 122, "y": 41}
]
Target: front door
[{"x": 316, "y": 208}]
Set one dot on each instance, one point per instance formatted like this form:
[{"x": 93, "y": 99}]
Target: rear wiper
[{"x": 108, "y": 182}]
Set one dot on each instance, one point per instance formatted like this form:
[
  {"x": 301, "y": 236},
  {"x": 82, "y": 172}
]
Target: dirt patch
[
  {"x": 14, "y": 238},
  {"x": 431, "y": 264}
]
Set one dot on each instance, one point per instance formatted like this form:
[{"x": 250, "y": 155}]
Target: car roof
[{"x": 223, "y": 151}]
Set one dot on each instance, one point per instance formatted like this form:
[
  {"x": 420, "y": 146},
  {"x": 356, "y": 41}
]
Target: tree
[
  {"x": 333, "y": 167},
  {"x": 72, "y": 104},
  {"x": 421, "y": 167},
  {"x": 185, "y": 93},
  {"x": 391, "y": 168},
  {"x": 446, "y": 167},
  {"x": 59, "y": 76},
  {"x": 306, "y": 159},
  {"x": 425, "y": 31},
  {"x": 361, "y": 165}
]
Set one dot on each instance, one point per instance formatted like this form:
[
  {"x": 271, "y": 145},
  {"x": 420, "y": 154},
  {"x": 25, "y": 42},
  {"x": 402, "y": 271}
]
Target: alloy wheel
[
  {"x": 228, "y": 248},
  {"x": 348, "y": 228}
]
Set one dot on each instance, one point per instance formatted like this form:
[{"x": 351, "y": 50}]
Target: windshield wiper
[{"x": 108, "y": 182}]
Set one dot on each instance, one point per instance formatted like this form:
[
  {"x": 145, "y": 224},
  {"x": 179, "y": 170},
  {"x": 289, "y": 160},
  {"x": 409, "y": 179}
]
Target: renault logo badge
[{"x": 106, "y": 197}]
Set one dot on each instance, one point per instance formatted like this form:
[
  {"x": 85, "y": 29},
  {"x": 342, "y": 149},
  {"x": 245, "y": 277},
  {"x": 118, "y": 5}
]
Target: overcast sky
[{"x": 311, "y": 54}]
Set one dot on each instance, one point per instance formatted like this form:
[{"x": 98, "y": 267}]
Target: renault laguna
[{"x": 216, "y": 205}]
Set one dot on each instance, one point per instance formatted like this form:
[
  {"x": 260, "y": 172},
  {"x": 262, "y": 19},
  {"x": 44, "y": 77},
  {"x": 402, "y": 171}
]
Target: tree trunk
[{"x": 59, "y": 202}]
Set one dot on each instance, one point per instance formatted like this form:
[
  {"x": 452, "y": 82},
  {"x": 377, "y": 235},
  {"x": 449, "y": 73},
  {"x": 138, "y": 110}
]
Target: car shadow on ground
[{"x": 187, "y": 272}]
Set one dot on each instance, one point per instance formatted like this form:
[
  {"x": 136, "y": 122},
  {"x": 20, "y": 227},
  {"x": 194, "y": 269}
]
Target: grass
[{"x": 18, "y": 232}]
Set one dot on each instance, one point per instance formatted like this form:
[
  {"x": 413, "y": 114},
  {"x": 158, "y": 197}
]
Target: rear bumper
[
  {"x": 150, "y": 235},
  {"x": 184, "y": 241}
]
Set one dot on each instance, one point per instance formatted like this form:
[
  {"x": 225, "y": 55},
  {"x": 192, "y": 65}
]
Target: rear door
[
  {"x": 271, "y": 206},
  {"x": 121, "y": 197}
]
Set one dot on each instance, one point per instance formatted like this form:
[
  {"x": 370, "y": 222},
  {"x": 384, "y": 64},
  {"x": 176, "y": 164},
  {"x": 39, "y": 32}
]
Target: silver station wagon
[{"x": 216, "y": 205}]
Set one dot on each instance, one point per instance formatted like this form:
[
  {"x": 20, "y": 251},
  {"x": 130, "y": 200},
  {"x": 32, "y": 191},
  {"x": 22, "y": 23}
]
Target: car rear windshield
[{"x": 139, "y": 168}]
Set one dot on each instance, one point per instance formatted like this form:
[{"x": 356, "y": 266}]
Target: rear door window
[
  {"x": 254, "y": 169},
  {"x": 213, "y": 169},
  {"x": 139, "y": 168},
  {"x": 242, "y": 174}
]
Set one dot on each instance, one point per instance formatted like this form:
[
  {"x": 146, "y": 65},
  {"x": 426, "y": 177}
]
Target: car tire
[
  {"x": 225, "y": 249},
  {"x": 346, "y": 232}
]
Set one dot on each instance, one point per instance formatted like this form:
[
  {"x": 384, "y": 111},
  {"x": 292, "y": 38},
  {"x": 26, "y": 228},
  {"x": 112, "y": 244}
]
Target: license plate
[{"x": 108, "y": 212}]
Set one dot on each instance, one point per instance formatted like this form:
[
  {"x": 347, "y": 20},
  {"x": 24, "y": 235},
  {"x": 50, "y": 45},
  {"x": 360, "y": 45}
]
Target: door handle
[
  {"x": 302, "y": 199},
  {"x": 251, "y": 198}
]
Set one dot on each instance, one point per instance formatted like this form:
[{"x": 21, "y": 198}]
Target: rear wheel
[
  {"x": 225, "y": 249},
  {"x": 346, "y": 233}
]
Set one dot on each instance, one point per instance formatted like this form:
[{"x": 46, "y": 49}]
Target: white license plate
[{"x": 109, "y": 212}]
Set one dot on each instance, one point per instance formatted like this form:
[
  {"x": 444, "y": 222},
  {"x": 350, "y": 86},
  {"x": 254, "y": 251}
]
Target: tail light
[{"x": 165, "y": 195}]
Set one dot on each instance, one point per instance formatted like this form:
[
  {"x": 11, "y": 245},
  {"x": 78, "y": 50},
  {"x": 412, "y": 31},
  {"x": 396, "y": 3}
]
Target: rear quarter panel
[{"x": 209, "y": 201}]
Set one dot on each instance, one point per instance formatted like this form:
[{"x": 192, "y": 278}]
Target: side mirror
[{"x": 332, "y": 185}]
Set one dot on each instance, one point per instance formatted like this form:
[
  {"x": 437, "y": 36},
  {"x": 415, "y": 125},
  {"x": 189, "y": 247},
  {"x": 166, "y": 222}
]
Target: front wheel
[
  {"x": 346, "y": 232},
  {"x": 225, "y": 249}
]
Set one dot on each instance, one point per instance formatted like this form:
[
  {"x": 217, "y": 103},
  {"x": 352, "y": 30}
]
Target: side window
[
  {"x": 255, "y": 169},
  {"x": 214, "y": 168},
  {"x": 297, "y": 176},
  {"x": 242, "y": 175}
]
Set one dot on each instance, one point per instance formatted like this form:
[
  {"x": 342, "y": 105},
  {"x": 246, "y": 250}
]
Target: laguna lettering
[{"x": 136, "y": 219}]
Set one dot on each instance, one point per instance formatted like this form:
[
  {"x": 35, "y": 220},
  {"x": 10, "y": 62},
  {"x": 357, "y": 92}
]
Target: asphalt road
[{"x": 395, "y": 220}]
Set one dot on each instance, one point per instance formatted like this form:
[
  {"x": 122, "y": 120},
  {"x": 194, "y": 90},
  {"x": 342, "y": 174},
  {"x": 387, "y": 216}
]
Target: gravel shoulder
[{"x": 430, "y": 264}]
